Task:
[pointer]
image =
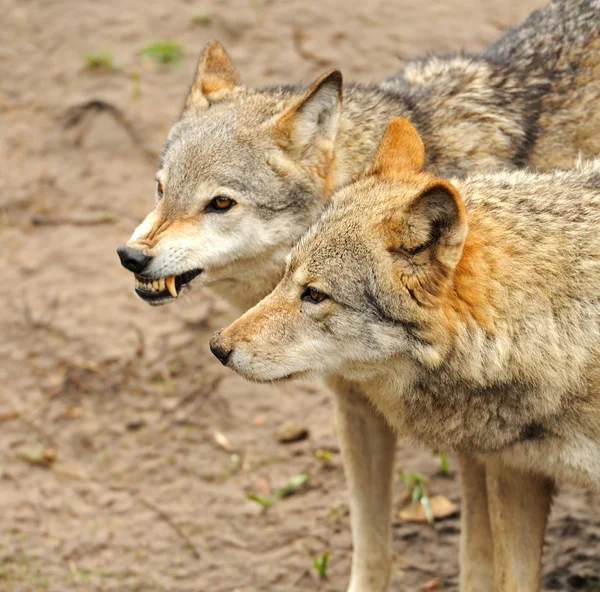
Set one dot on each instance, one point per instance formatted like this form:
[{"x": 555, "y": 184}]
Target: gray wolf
[
  {"x": 467, "y": 309},
  {"x": 245, "y": 172}
]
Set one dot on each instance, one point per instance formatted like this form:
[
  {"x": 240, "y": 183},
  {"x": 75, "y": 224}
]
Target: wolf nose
[
  {"x": 219, "y": 349},
  {"x": 133, "y": 259}
]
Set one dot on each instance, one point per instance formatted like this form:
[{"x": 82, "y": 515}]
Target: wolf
[
  {"x": 469, "y": 310},
  {"x": 245, "y": 172}
]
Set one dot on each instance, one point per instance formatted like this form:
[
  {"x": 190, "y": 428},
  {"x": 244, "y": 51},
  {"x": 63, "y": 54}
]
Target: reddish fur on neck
[{"x": 476, "y": 293}]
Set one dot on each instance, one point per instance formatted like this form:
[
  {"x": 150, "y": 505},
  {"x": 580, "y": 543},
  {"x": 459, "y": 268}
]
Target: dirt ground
[{"x": 111, "y": 477}]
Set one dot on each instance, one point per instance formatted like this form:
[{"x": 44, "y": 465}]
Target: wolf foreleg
[
  {"x": 476, "y": 545},
  {"x": 368, "y": 446},
  {"x": 519, "y": 504}
]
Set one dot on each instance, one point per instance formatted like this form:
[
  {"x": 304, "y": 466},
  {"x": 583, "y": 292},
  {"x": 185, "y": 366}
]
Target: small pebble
[{"x": 291, "y": 431}]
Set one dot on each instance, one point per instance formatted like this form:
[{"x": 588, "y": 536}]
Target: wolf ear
[
  {"x": 428, "y": 236},
  {"x": 401, "y": 150},
  {"x": 315, "y": 115},
  {"x": 215, "y": 73}
]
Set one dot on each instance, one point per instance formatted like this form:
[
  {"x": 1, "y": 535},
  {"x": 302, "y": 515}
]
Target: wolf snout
[
  {"x": 220, "y": 349},
  {"x": 133, "y": 259}
]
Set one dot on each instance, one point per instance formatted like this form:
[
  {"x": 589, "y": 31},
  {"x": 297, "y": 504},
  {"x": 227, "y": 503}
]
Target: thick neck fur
[{"x": 517, "y": 328}]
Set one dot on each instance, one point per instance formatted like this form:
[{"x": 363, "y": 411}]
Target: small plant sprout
[
  {"x": 324, "y": 455},
  {"x": 415, "y": 484},
  {"x": 321, "y": 565},
  {"x": 136, "y": 87},
  {"x": 202, "y": 19},
  {"x": 163, "y": 52},
  {"x": 99, "y": 60},
  {"x": 444, "y": 463},
  {"x": 293, "y": 485},
  {"x": 263, "y": 501}
]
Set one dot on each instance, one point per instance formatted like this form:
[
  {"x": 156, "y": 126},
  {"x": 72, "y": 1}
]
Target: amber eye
[
  {"x": 220, "y": 204},
  {"x": 312, "y": 295},
  {"x": 159, "y": 189}
]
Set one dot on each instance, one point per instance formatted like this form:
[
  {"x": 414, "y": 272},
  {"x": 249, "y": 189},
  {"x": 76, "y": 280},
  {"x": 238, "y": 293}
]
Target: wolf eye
[
  {"x": 220, "y": 204},
  {"x": 159, "y": 189},
  {"x": 312, "y": 295}
]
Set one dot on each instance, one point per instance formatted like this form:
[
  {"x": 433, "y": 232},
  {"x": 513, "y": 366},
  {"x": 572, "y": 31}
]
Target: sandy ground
[{"x": 111, "y": 478}]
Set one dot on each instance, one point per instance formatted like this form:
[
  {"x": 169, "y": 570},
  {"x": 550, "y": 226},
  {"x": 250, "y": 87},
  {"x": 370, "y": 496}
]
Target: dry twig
[
  {"x": 75, "y": 115},
  {"x": 162, "y": 514},
  {"x": 83, "y": 219}
]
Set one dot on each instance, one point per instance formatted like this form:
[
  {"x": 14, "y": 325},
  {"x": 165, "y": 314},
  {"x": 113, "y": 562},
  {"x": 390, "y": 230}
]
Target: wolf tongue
[{"x": 170, "y": 283}]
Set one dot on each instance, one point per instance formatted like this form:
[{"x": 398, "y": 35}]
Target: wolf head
[
  {"x": 370, "y": 280},
  {"x": 242, "y": 176}
]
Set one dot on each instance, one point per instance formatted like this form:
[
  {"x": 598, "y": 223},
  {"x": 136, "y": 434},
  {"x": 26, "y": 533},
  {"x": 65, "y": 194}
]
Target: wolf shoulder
[{"x": 560, "y": 205}]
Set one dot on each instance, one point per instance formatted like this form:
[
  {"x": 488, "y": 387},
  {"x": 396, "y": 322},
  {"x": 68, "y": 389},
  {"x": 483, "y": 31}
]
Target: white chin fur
[
  {"x": 265, "y": 379},
  {"x": 266, "y": 374}
]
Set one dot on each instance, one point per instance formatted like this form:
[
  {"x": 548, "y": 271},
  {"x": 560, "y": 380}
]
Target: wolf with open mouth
[{"x": 245, "y": 172}]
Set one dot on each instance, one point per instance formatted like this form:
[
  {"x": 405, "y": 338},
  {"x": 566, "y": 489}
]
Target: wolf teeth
[
  {"x": 150, "y": 285},
  {"x": 170, "y": 284},
  {"x": 158, "y": 285}
]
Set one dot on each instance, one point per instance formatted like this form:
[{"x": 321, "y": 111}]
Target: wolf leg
[
  {"x": 476, "y": 545},
  {"x": 368, "y": 446},
  {"x": 519, "y": 504}
]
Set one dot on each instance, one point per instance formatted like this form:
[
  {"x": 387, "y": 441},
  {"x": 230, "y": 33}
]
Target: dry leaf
[
  {"x": 55, "y": 382},
  {"x": 38, "y": 455},
  {"x": 259, "y": 420},
  {"x": 432, "y": 585},
  {"x": 441, "y": 507},
  {"x": 9, "y": 414},
  {"x": 222, "y": 441},
  {"x": 74, "y": 412},
  {"x": 85, "y": 364}
]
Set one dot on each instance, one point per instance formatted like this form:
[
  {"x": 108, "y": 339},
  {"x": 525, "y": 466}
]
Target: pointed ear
[
  {"x": 433, "y": 228},
  {"x": 215, "y": 73},
  {"x": 401, "y": 150},
  {"x": 315, "y": 115}
]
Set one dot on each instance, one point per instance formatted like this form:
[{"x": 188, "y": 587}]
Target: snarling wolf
[
  {"x": 468, "y": 309},
  {"x": 245, "y": 172}
]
